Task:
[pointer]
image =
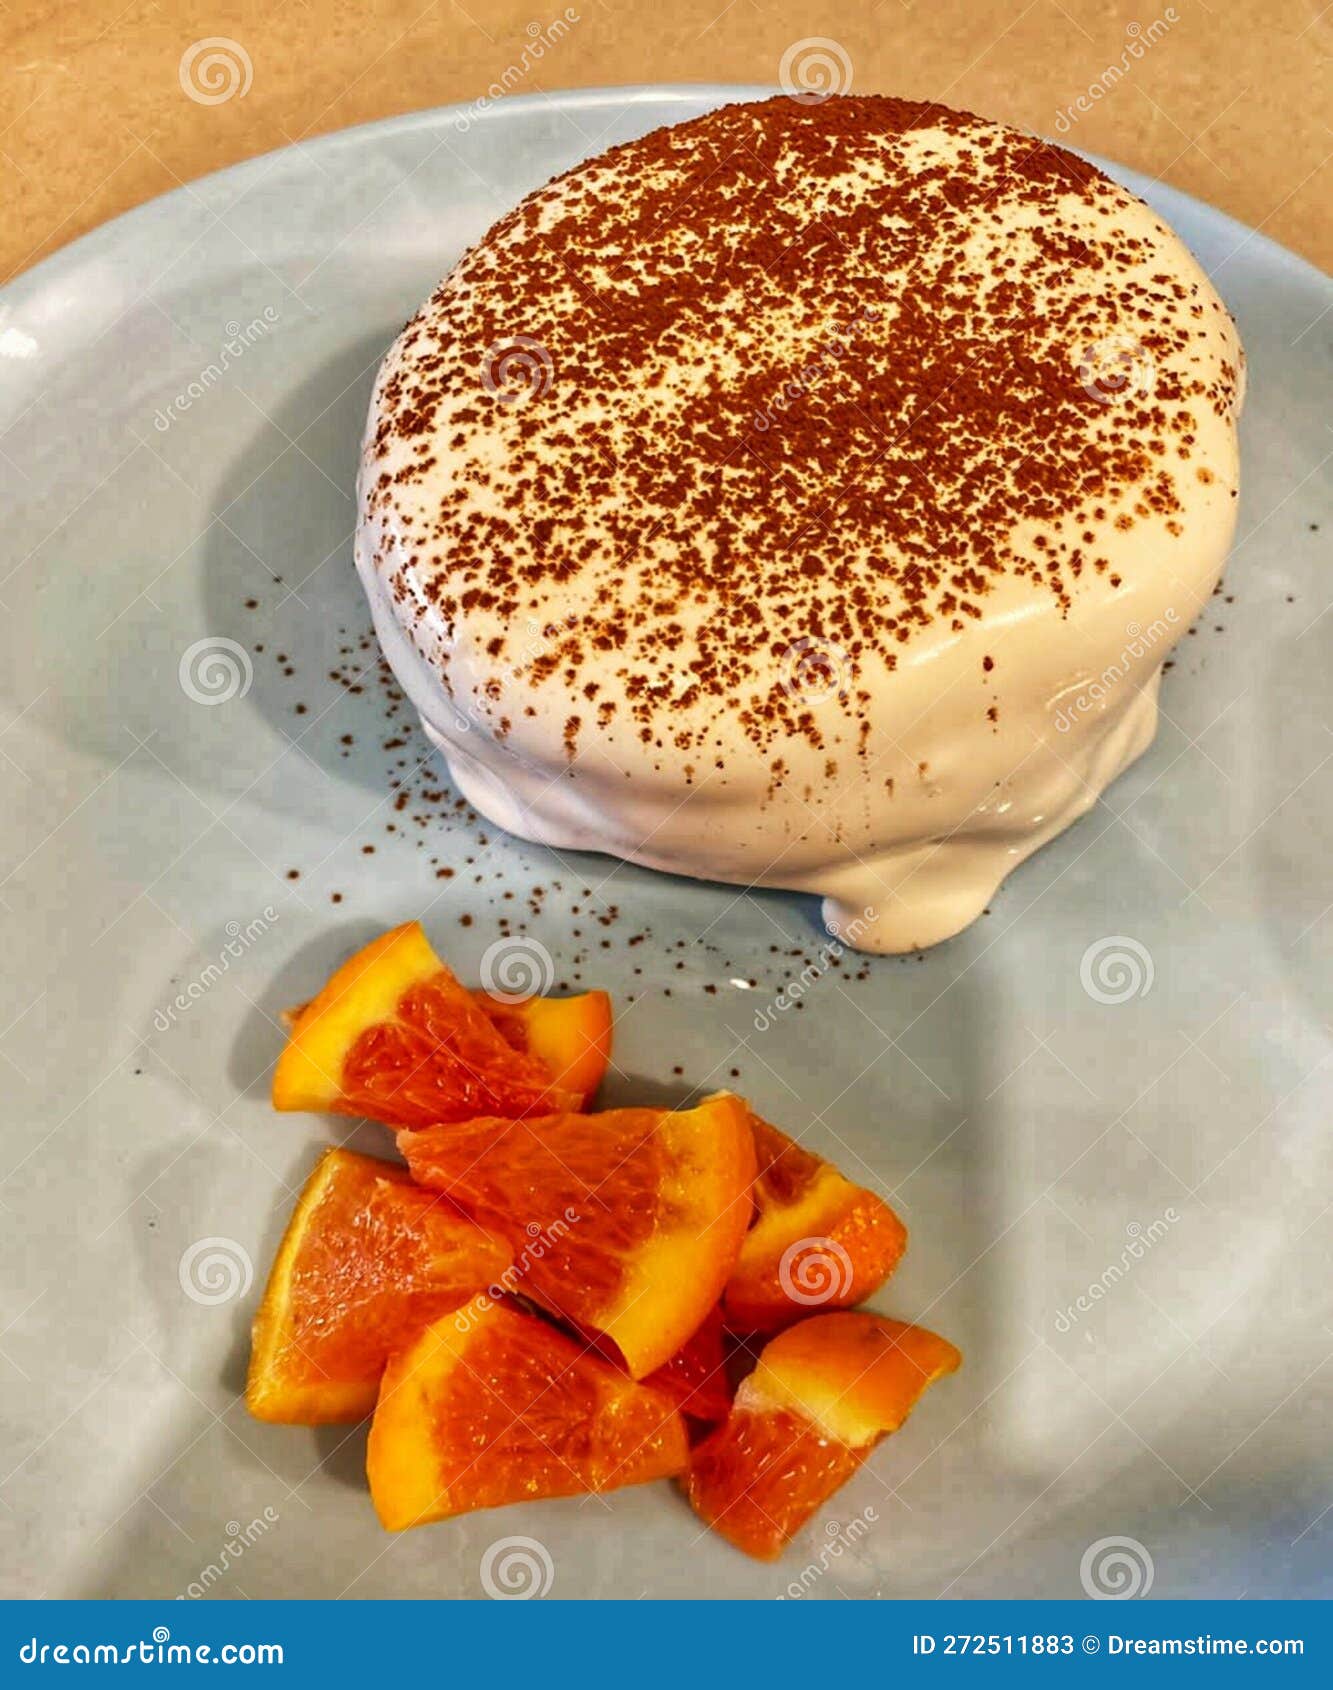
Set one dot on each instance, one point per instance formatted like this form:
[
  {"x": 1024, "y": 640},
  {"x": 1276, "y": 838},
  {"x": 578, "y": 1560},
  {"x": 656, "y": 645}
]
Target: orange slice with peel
[
  {"x": 626, "y": 1223},
  {"x": 393, "y": 1036},
  {"x": 819, "y": 1242},
  {"x": 490, "y": 1406},
  {"x": 821, "y": 1397},
  {"x": 571, "y": 1036},
  {"x": 367, "y": 1260}
]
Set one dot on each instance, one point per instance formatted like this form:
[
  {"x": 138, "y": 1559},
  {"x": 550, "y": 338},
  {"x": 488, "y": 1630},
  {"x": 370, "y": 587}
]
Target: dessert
[{"x": 807, "y": 496}]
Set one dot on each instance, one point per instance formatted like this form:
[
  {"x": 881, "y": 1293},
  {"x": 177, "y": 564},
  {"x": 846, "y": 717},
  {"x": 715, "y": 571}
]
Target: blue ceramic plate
[{"x": 1103, "y": 1110}]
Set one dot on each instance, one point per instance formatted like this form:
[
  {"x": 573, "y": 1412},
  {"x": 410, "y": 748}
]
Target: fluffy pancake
[{"x": 806, "y": 495}]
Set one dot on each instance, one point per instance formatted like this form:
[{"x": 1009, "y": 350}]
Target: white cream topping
[{"x": 902, "y": 778}]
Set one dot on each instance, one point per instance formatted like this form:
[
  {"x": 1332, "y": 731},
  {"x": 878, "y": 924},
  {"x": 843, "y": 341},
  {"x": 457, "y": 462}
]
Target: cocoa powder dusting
[{"x": 662, "y": 479}]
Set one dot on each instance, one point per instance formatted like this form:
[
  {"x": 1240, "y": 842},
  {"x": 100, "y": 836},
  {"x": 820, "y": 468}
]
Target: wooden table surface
[{"x": 104, "y": 104}]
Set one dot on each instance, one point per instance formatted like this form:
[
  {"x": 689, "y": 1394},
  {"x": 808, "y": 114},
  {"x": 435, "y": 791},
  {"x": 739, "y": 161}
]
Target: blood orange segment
[
  {"x": 818, "y": 1241},
  {"x": 393, "y": 1036},
  {"x": 626, "y": 1223},
  {"x": 367, "y": 1260},
  {"x": 570, "y": 1037},
  {"x": 822, "y": 1396},
  {"x": 491, "y": 1406},
  {"x": 696, "y": 1376},
  {"x": 760, "y": 1477}
]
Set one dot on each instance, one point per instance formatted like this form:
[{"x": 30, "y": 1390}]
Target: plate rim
[{"x": 88, "y": 247}]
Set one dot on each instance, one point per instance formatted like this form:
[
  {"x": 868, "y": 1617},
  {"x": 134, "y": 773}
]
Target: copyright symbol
[{"x": 1091, "y": 1645}]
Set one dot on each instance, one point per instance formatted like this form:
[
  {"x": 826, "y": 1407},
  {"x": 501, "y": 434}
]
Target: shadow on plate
[{"x": 288, "y": 497}]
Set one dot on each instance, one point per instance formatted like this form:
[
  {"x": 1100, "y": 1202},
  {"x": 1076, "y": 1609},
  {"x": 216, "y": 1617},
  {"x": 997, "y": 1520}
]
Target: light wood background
[{"x": 1231, "y": 101}]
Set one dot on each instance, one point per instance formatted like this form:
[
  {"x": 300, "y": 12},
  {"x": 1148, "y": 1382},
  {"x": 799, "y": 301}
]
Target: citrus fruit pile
[{"x": 548, "y": 1299}]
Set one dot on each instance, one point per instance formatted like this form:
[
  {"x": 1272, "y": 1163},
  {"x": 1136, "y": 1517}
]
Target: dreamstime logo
[
  {"x": 1116, "y": 1569},
  {"x": 239, "y": 941},
  {"x": 541, "y": 39},
  {"x": 1116, "y": 366},
  {"x": 829, "y": 351},
  {"x": 1141, "y": 1239},
  {"x": 240, "y": 338},
  {"x": 215, "y": 1270},
  {"x": 1116, "y": 969},
  {"x": 239, "y": 1538},
  {"x": 215, "y": 70},
  {"x": 215, "y": 670},
  {"x": 814, "y": 1271},
  {"x": 794, "y": 990},
  {"x": 814, "y": 670},
  {"x": 515, "y": 1569},
  {"x": 540, "y": 652},
  {"x": 841, "y": 1539},
  {"x": 814, "y": 68},
  {"x": 1084, "y": 695},
  {"x": 514, "y": 970},
  {"x": 540, "y": 1240},
  {"x": 1137, "y": 42},
  {"x": 517, "y": 370}
]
